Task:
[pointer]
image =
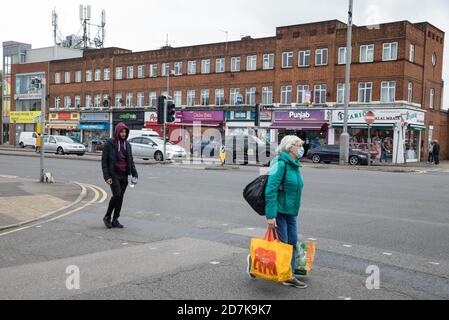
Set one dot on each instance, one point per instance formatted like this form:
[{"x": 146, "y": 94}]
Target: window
[
  {"x": 88, "y": 101},
  {"x": 220, "y": 65},
  {"x": 412, "y": 53},
  {"x": 130, "y": 72},
  {"x": 219, "y": 97},
  {"x": 88, "y": 75},
  {"x": 178, "y": 68},
  {"x": 153, "y": 99},
  {"x": 268, "y": 61},
  {"x": 205, "y": 97},
  {"x": 287, "y": 59},
  {"x": 410, "y": 92},
  {"x": 141, "y": 72},
  {"x": 365, "y": 92},
  {"x": 342, "y": 55},
  {"x": 57, "y": 102},
  {"x": 267, "y": 96},
  {"x": 97, "y": 74},
  {"x": 177, "y": 98},
  {"x": 251, "y": 63},
  {"x": 205, "y": 66},
  {"x": 367, "y": 53},
  {"x": 153, "y": 70},
  {"x": 321, "y": 57},
  {"x": 251, "y": 96},
  {"x": 304, "y": 58},
  {"x": 191, "y": 67},
  {"x": 390, "y": 51},
  {"x": 97, "y": 101},
  {"x": 434, "y": 59},
  {"x": 303, "y": 94},
  {"x": 57, "y": 78},
  {"x": 235, "y": 93},
  {"x": 432, "y": 99},
  {"x": 67, "y": 102},
  {"x": 190, "y": 98},
  {"x": 106, "y": 74},
  {"x": 67, "y": 77},
  {"x": 340, "y": 93},
  {"x": 129, "y": 99},
  {"x": 320, "y": 94},
  {"x": 235, "y": 64},
  {"x": 165, "y": 69},
  {"x": 78, "y": 76},
  {"x": 388, "y": 91},
  {"x": 118, "y": 99},
  {"x": 106, "y": 98},
  {"x": 286, "y": 95},
  {"x": 140, "y": 99},
  {"x": 77, "y": 101},
  {"x": 119, "y": 73}
]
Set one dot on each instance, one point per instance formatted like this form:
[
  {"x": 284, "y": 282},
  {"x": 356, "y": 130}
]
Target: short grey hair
[{"x": 288, "y": 142}]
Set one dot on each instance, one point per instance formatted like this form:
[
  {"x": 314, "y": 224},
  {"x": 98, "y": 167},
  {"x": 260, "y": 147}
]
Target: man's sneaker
[
  {"x": 116, "y": 224},
  {"x": 248, "y": 267},
  {"x": 295, "y": 283},
  {"x": 107, "y": 222}
]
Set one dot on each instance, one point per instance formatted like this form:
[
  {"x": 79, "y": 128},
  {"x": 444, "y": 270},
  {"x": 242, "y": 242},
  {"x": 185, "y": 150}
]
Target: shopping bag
[
  {"x": 270, "y": 258},
  {"x": 305, "y": 257}
]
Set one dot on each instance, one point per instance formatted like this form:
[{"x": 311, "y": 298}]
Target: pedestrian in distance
[
  {"x": 436, "y": 152},
  {"x": 283, "y": 196},
  {"x": 384, "y": 151},
  {"x": 431, "y": 159},
  {"x": 118, "y": 164}
]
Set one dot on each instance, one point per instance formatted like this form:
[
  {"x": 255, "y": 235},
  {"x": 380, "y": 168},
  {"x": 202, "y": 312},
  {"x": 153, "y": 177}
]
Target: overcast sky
[{"x": 141, "y": 25}]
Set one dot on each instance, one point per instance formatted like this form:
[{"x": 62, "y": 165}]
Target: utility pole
[{"x": 344, "y": 139}]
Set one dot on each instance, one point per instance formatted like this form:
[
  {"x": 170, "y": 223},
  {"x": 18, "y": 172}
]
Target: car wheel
[
  {"x": 316, "y": 158},
  {"x": 80, "y": 154},
  {"x": 21, "y": 145},
  {"x": 354, "y": 160},
  {"x": 158, "y": 156},
  {"x": 60, "y": 151}
]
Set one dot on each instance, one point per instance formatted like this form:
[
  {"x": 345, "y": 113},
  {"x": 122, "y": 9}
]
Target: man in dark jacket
[
  {"x": 436, "y": 152},
  {"x": 117, "y": 163}
]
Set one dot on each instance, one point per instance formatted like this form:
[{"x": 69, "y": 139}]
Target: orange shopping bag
[{"x": 270, "y": 258}]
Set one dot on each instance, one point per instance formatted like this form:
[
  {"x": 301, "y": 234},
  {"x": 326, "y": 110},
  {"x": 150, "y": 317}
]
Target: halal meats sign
[
  {"x": 380, "y": 116},
  {"x": 300, "y": 115}
]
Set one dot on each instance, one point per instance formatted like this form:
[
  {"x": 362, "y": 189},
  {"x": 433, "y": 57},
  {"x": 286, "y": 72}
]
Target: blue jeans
[{"x": 287, "y": 228}]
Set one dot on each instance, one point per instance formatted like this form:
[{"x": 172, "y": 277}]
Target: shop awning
[
  {"x": 297, "y": 126},
  {"x": 418, "y": 128},
  {"x": 364, "y": 126},
  {"x": 59, "y": 126}
]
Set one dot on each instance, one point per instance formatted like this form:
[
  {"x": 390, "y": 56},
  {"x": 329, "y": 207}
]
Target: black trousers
[
  {"x": 436, "y": 158},
  {"x": 118, "y": 188}
]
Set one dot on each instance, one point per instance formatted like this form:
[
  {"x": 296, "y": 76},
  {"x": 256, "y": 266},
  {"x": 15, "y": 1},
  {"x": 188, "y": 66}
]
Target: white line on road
[
  {"x": 387, "y": 254},
  {"x": 434, "y": 263},
  {"x": 347, "y": 246},
  {"x": 312, "y": 239},
  {"x": 214, "y": 263}
]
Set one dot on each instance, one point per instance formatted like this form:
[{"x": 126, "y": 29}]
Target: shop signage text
[
  {"x": 300, "y": 115},
  {"x": 191, "y": 116},
  {"x": 382, "y": 116},
  {"x": 25, "y": 116}
]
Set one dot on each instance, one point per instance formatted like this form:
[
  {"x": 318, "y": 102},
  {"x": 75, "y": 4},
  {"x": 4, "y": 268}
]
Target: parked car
[
  {"x": 27, "y": 139},
  {"x": 153, "y": 148},
  {"x": 331, "y": 153},
  {"x": 63, "y": 145}
]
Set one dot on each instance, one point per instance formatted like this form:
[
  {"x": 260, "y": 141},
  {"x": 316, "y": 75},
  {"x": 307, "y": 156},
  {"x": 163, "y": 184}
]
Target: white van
[
  {"x": 142, "y": 133},
  {"x": 27, "y": 139}
]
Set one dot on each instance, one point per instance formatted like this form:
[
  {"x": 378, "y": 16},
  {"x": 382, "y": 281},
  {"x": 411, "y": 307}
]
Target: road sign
[
  {"x": 370, "y": 118},
  {"x": 239, "y": 99},
  {"x": 223, "y": 154}
]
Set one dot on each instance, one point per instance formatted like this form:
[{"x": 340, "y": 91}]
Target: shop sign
[
  {"x": 192, "y": 116},
  {"x": 25, "y": 116},
  {"x": 382, "y": 116},
  {"x": 92, "y": 126},
  {"x": 300, "y": 115},
  {"x": 151, "y": 117},
  {"x": 129, "y": 117},
  {"x": 95, "y": 117},
  {"x": 64, "y": 116}
]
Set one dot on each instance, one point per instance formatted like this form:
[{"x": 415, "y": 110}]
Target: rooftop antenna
[{"x": 54, "y": 23}]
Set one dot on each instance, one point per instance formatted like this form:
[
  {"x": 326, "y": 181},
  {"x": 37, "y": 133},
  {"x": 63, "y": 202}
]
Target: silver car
[
  {"x": 63, "y": 145},
  {"x": 153, "y": 148}
]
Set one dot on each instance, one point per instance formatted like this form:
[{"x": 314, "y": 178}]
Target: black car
[{"x": 331, "y": 153}]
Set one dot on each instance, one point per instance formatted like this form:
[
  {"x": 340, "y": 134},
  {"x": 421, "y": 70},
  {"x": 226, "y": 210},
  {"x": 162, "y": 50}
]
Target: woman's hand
[{"x": 272, "y": 223}]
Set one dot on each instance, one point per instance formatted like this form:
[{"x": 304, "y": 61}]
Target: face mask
[{"x": 301, "y": 152}]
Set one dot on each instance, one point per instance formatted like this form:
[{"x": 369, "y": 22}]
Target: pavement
[
  {"x": 187, "y": 233},
  {"x": 25, "y": 200}
]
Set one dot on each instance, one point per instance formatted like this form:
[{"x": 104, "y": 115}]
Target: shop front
[
  {"x": 23, "y": 121},
  {"x": 173, "y": 132},
  {"x": 311, "y": 125},
  {"x": 241, "y": 123},
  {"x": 396, "y": 135},
  {"x": 135, "y": 120},
  {"x": 94, "y": 127},
  {"x": 64, "y": 124}
]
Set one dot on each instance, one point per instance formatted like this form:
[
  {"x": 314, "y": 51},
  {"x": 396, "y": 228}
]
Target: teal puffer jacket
[{"x": 283, "y": 196}]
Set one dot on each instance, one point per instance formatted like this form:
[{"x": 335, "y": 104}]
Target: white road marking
[
  {"x": 38, "y": 227},
  {"x": 434, "y": 263},
  {"x": 312, "y": 239},
  {"x": 387, "y": 254},
  {"x": 347, "y": 246},
  {"x": 125, "y": 243},
  {"x": 214, "y": 263},
  {"x": 176, "y": 253}
]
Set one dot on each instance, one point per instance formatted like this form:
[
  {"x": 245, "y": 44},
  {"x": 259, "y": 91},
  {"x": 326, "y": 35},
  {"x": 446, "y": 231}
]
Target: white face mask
[{"x": 301, "y": 153}]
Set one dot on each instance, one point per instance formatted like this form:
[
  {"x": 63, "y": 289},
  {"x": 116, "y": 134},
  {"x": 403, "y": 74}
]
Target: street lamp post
[{"x": 344, "y": 139}]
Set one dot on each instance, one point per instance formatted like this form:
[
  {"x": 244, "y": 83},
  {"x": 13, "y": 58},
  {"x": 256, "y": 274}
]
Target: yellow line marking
[{"x": 95, "y": 199}]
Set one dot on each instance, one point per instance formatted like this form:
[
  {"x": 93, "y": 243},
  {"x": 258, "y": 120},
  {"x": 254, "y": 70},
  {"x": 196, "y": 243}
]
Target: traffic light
[
  {"x": 160, "y": 109},
  {"x": 257, "y": 116},
  {"x": 171, "y": 111}
]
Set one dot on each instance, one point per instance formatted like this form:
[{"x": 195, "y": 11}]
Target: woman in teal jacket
[{"x": 283, "y": 196}]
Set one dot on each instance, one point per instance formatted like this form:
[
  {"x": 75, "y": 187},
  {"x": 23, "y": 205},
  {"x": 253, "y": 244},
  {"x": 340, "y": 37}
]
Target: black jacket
[
  {"x": 109, "y": 160},
  {"x": 436, "y": 149}
]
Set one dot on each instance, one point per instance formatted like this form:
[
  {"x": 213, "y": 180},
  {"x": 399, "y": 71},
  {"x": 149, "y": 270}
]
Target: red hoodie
[{"x": 121, "y": 165}]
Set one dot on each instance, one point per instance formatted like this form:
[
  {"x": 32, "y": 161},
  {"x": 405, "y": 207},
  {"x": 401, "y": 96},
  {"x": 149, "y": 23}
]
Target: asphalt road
[{"x": 188, "y": 232}]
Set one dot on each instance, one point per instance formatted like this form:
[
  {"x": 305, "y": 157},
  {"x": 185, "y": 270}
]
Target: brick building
[{"x": 297, "y": 75}]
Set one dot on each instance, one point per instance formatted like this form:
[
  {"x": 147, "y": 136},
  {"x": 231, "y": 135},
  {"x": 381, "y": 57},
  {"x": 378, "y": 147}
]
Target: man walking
[
  {"x": 436, "y": 152},
  {"x": 431, "y": 159},
  {"x": 117, "y": 163}
]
